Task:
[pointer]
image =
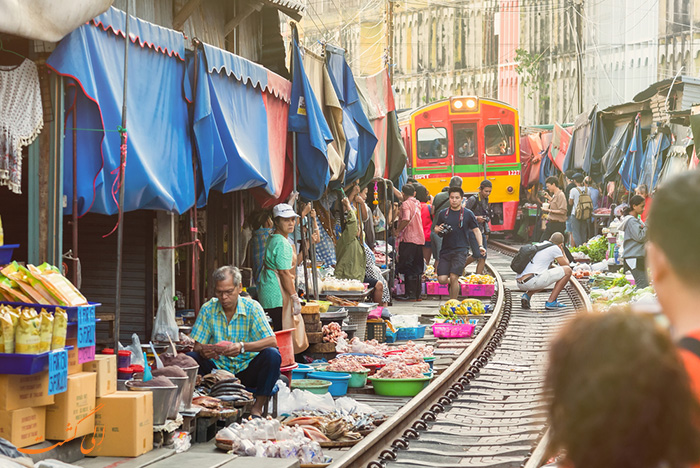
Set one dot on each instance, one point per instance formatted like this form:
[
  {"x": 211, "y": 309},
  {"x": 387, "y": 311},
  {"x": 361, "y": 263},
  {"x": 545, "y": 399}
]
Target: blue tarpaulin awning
[
  {"x": 159, "y": 166},
  {"x": 313, "y": 134},
  {"x": 240, "y": 124},
  {"x": 359, "y": 134}
]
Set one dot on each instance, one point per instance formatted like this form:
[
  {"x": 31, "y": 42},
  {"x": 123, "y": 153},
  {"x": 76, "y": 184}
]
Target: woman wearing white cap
[{"x": 276, "y": 290}]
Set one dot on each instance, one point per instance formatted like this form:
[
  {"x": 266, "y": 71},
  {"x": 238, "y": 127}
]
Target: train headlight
[{"x": 464, "y": 104}]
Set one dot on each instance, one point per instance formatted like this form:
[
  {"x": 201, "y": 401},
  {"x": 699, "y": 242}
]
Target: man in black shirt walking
[
  {"x": 479, "y": 205},
  {"x": 454, "y": 225}
]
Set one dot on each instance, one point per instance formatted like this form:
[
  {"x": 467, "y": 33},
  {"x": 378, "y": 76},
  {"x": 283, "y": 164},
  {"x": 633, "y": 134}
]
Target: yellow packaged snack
[
  {"x": 60, "y": 328},
  {"x": 28, "y": 332},
  {"x": 8, "y": 322},
  {"x": 46, "y": 331}
]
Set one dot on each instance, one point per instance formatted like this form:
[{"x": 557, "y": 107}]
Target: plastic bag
[
  {"x": 136, "y": 352},
  {"x": 60, "y": 328},
  {"x": 165, "y": 324},
  {"x": 28, "y": 332},
  {"x": 379, "y": 220},
  {"x": 46, "y": 331}
]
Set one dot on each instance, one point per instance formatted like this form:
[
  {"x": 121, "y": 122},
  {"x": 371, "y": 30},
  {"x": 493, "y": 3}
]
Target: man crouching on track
[
  {"x": 537, "y": 276},
  {"x": 453, "y": 225}
]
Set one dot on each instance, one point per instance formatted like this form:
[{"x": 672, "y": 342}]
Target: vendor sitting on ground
[
  {"x": 249, "y": 347},
  {"x": 537, "y": 275}
]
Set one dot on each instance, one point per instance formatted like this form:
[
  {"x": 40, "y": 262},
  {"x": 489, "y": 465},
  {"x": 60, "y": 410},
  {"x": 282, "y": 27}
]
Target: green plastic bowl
[
  {"x": 319, "y": 387},
  {"x": 398, "y": 387},
  {"x": 357, "y": 379}
]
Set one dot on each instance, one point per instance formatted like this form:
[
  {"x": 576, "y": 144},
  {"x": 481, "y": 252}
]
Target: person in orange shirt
[
  {"x": 673, "y": 256},
  {"x": 643, "y": 191}
]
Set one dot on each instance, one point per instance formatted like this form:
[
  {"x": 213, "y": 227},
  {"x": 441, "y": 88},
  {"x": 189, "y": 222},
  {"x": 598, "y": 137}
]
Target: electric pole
[
  {"x": 579, "y": 52},
  {"x": 390, "y": 37}
]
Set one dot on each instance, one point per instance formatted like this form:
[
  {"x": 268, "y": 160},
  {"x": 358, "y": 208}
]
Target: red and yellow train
[{"x": 474, "y": 138}]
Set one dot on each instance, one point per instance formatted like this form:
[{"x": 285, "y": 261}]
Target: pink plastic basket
[{"x": 452, "y": 330}]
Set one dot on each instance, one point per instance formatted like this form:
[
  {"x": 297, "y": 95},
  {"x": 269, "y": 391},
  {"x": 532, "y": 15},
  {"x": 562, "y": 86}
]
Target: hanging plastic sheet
[
  {"x": 631, "y": 167},
  {"x": 582, "y": 132},
  {"x": 532, "y": 144},
  {"x": 320, "y": 80},
  {"x": 612, "y": 159},
  {"x": 360, "y": 138},
  {"x": 676, "y": 163},
  {"x": 653, "y": 160},
  {"x": 159, "y": 172},
  {"x": 240, "y": 125},
  {"x": 313, "y": 135},
  {"x": 560, "y": 146},
  {"x": 595, "y": 150},
  {"x": 547, "y": 167},
  {"x": 377, "y": 98}
]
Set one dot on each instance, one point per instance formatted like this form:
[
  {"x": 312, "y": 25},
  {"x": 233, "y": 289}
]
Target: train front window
[
  {"x": 432, "y": 143},
  {"x": 465, "y": 142},
  {"x": 499, "y": 139}
]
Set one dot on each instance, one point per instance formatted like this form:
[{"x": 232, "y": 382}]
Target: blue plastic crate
[
  {"x": 389, "y": 336},
  {"x": 71, "y": 311},
  {"x": 412, "y": 333},
  {"x": 6, "y": 253},
  {"x": 25, "y": 364}
]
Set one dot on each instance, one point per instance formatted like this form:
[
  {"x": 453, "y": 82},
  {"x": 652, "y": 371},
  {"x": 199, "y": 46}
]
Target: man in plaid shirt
[{"x": 232, "y": 333}]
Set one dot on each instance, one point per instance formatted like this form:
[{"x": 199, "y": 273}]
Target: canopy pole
[
  {"x": 294, "y": 189},
  {"x": 122, "y": 189},
  {"x": 74, "y": 215},
  {"x": 194, "y": 226},
  {"x": 312, "y": 254}
]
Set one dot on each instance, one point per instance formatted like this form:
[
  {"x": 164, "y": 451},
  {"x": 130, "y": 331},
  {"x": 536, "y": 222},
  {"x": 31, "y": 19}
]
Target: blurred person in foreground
[
  {"x": 673, "y": 257},
  {"x": 620, "y": 396}
]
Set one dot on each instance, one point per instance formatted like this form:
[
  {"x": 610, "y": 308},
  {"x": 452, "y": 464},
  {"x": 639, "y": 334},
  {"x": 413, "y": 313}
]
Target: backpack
[
  {"x": 690, "y": 344},
  {"x": 584, "y": 208},
  {"x": 525, "y": 255}
]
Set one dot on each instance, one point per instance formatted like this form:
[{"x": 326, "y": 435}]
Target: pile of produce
[
  {"x": 580, "y": 257},
  {"x": 269, "y": 438},
  {"x": 324, "y": 429},
  {"x": 346, "y": 363},
  {"x": 608, "y": 280},
  {"x": 335, "y": 284},
  {"x": 339, "y": 301},
  {"x": 595, "y": 248},
  {"x": 332, "y": 332},
  {"x": 452, "y": 308},
  {"x": 355, "y": 345},
  {"x": 430, "y": 274},
  {"x": 398, "y": 369},
  {"x": 38, "y": 285},
  {"x": 362, "y": 359},
  {"x": 220, "y": 390},
  {"x": 476, "y": 279},
  {"x": 25, "y": 331},
  {"x": 604, "y": 299},
  {"x": 415, "y": 351}
]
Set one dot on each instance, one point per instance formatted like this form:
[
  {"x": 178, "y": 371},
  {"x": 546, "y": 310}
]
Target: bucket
[
  {"x": 181, "y": 383},
  {"x": 301, "y": 371},
  {"x": 287, "y": 371},
  {"x": 188, "y": 389},
  {"x": 164, "y": 399},
  {"x": 339, "y": 381},
  {"x": 284, "y": 343}
]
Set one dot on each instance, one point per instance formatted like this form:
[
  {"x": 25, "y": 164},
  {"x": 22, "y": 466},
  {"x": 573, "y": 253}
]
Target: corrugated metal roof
[
  {"x": 291, "y": 8},
  {"x": 687, "y": 82}
]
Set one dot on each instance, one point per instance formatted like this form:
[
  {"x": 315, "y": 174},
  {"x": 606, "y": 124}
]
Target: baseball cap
[{"x": 283, "y": 210}]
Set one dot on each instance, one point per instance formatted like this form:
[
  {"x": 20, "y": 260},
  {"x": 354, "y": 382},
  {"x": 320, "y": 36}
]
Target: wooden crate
[
  {"x": 312, "y": 318},
  {"x": 314, "y": 337},
  {"x": 322, "y": 348},
  {"x": 315, "y": 327}
]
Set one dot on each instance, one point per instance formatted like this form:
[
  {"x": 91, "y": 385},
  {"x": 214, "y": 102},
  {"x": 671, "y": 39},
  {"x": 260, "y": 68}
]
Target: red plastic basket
[{"x": 452, "y": 330}]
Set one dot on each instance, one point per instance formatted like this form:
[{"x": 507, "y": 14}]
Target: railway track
[{"x": 487, "y": 409}]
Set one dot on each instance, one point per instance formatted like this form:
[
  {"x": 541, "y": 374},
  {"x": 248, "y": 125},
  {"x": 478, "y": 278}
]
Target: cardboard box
[
  {"x": 24, "y": 391},
  {"x": 24, "y": 426},
  {"x": 73, "y": 366},
  {"x": 126, "y": 420},
  {"x": 105, "y": 366},
  {"x": 72, "y": 414}
]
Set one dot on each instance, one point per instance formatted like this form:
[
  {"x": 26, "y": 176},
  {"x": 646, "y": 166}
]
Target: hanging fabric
[{"x": 21, "y": 119}]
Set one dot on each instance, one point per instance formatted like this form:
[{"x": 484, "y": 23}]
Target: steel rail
[
  {"x": 540, "y": 453},
  {"x": 400, "y": 425}
]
